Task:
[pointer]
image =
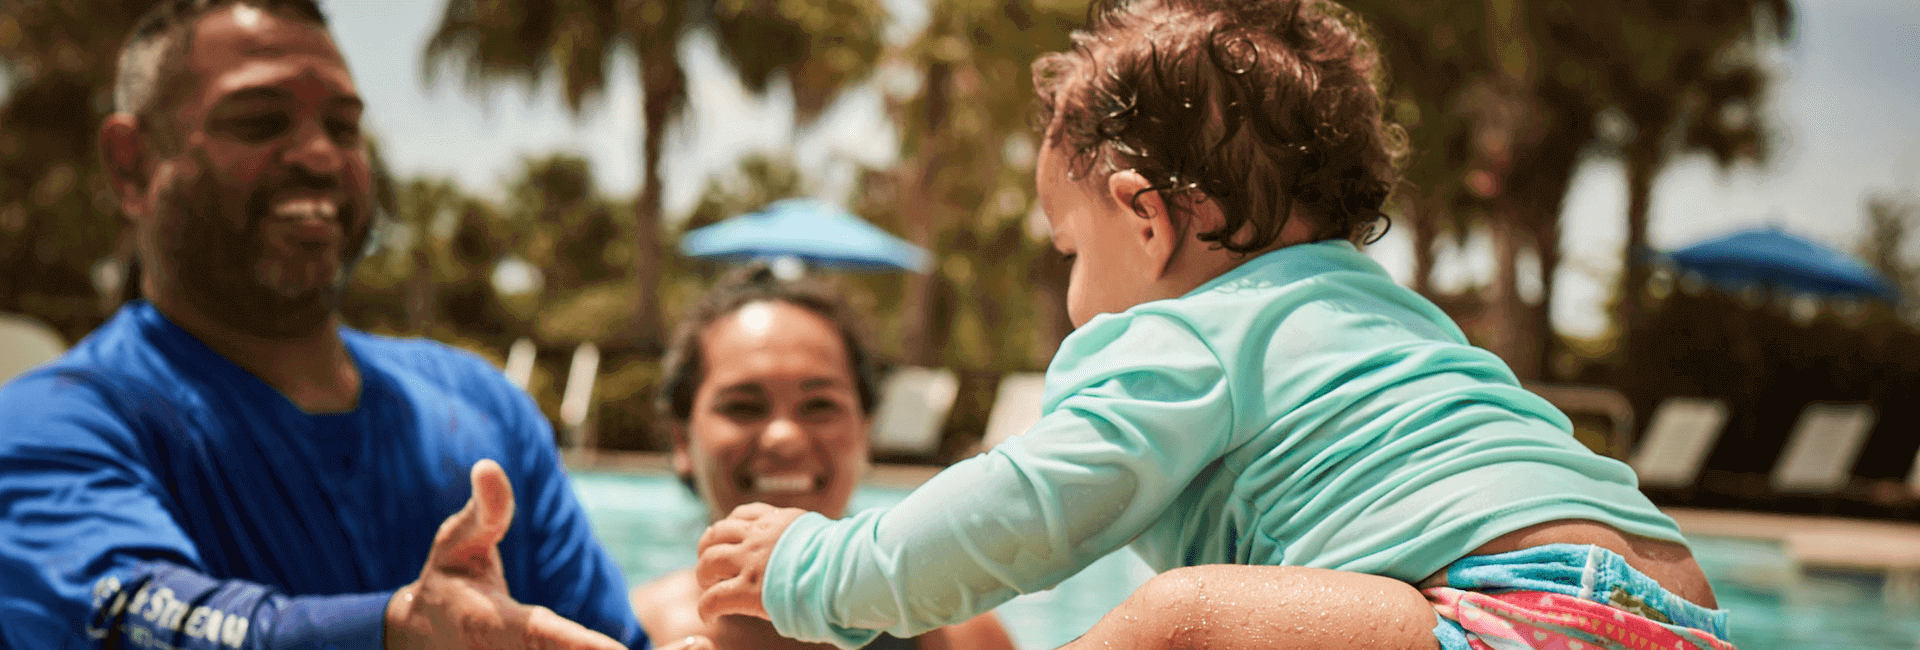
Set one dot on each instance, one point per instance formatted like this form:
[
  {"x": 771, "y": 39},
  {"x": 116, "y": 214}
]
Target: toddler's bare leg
[{"x": 1228, "y": 607}]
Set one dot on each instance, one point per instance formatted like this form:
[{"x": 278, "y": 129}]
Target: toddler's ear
[{"x": 1154, "y": 230}]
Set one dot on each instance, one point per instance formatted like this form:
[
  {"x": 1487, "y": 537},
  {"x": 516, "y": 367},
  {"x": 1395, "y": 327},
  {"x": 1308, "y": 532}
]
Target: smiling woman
[{"x": 768, "y": 392}]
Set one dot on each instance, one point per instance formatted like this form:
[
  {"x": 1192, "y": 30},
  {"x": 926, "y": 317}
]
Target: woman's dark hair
[
  {"x": 682, "y": 372},
  {"x": 1260, "y": 106}
]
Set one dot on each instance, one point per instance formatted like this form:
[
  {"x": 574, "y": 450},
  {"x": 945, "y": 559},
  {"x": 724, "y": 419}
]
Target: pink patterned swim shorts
[{"x": 1565, "y": 597}]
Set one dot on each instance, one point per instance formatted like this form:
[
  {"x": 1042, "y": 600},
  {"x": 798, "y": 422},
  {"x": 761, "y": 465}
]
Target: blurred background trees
[
  {"x": 1503, "y": 101},
  {"x": 58, "y": 218},
  {"x": 1892, "y": 218},
  {"x": 818, "y": 48}
]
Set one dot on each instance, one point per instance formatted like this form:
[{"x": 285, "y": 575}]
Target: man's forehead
[{"x": 230, "y": 35}]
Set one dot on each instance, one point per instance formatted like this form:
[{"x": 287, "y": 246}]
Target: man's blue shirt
[{"x": 154, "y": 494}]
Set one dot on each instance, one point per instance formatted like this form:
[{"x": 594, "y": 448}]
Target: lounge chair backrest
[
  {"x": 25, "y": 343},
  {"x": 1677, "y": 440},
  {"x": 914, "y": 403},
  {"x": 577, "y": 400},
  {"x": 1016, "y": 407},
  {"x": 520, "y": 358},
  {"x": 1823, "y": 448}
]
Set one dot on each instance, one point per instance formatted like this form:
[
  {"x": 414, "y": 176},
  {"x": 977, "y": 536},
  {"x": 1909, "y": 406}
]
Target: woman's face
[{"x": 777, "y": 416}]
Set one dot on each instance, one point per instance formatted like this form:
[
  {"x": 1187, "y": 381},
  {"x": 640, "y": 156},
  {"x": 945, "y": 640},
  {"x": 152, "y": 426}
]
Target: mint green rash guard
[{"x": 1299, "y": 410}]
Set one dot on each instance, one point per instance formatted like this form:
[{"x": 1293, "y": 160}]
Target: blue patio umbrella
[
  {"x": 1769, "y": 256},
  {"x": 816, "y": 232}
]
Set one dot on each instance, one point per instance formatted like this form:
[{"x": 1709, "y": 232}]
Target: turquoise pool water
[{"x": 650, "y": 524}]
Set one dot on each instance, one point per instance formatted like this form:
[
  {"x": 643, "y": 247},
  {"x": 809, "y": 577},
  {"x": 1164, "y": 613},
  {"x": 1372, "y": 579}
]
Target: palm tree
[
  {"x": 1696, "y": 84},
  {"x": 1507, "y": 97},
  {"x": 819, "y": 47},
  {"x": 958, "y": 187}
]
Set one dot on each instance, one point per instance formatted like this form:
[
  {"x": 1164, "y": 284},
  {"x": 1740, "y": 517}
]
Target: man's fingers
[
  {"x": 549, "y": 631},
  {"x": 494, "y": 495},
  {"x": 466, "y": 540}
]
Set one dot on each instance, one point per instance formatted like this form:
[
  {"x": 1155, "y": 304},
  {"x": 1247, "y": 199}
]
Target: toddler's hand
[{"x": 733, "y": 559}]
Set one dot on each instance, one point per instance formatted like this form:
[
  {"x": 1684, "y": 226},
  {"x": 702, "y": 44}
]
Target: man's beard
[{"x": 217, "y": 268}]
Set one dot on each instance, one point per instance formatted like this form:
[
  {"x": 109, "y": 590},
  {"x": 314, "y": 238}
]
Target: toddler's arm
[{"x": 1145, "y": 408}]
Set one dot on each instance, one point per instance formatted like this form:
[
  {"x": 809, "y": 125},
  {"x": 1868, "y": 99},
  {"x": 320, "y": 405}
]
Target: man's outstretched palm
[{"x": 461, "y": 601}]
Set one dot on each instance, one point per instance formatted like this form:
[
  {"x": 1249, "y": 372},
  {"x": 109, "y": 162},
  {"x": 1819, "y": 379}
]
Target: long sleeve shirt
[
  {"x": 156, "y": 495},
  {"x": 1299, "y": 410}
]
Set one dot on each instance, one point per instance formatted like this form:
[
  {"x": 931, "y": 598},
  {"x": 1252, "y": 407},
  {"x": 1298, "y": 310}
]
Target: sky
[{"x": 1845, "y": 108}]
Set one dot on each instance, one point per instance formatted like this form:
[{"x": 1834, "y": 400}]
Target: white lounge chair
[
  {"x": 1823, "y": 448},
  {"x": 914, "y": 403},
  {"x": 520, "y": 357},
  {"x": 24, "y": 343},
  {"x": 1016, "y": 407},
  {"x": 1677, "y": 440},
  {"x": 576, "y": 402}
]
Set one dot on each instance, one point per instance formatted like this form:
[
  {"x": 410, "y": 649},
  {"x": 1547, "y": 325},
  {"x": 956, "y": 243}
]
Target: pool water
[{"x": 650, "y": 524}]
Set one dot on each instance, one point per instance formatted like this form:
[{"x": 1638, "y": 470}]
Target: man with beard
[{"x": 224, "y": 463}]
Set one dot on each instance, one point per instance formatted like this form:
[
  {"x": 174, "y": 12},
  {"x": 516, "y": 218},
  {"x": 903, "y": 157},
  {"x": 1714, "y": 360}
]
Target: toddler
[{"x": 1244, "y": 387}]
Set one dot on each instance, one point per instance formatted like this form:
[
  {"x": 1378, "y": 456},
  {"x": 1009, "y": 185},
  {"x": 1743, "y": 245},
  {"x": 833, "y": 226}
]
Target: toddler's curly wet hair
[{"x": 1271, "y": 108}]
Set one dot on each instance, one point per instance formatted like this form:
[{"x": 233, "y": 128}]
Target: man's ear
[
  {"x": 1154, "y": 230},
  {"x": 123, "y": 152}
]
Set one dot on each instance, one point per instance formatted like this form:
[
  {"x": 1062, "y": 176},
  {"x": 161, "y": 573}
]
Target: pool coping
[
  {"x": 1809, "y": 540},
  {"x": 1815, "y": 541},
  {"x": 887, "y": 475}
]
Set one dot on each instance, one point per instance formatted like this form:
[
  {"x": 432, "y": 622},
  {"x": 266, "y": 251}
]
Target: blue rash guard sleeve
[
  {"x": 1121, "y": 436},
  {"x": 168, "y": 606},
  {"x": 89, "y": 541}
]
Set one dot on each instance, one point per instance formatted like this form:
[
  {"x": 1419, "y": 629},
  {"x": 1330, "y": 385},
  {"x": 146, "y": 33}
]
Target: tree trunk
[
  {"x": 1643, "y": 164},
  {"x": 1424, "y": 221},
  {"x": 664, "y": 84},
  {"x": 1546, "y": 242},
  {"x": 420, "y": 290},
  {"x": 924, "y": 221},
  {"x": 1557, "y": 156},
  {"x": 1507, "y": 332}
]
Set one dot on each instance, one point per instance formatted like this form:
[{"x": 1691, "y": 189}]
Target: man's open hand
[
  {"x": 460, "y": 601},
  {"x": 733, "y": 559}
]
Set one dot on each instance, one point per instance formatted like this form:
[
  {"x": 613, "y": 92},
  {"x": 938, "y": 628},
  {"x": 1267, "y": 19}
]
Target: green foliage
[
  {"x": 1891, "y": 220},
  {"x": 1504, "y": 99},
  {"x": 965, "y": 188},
  {"x": 1501, "y": 99},
  {"x": 58, "y": 217},
  {"x": 820, "y": 47},
  {"x": 761, "y": 179}
]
